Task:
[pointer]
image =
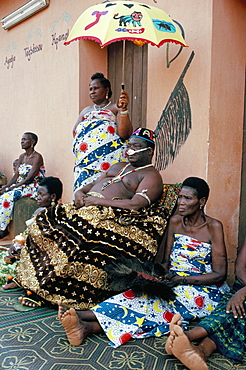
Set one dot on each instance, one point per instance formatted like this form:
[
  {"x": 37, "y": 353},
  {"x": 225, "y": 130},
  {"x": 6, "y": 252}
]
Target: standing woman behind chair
[
  {"x": 100, "y": 132},
  {"x": 24, "y": 183}
]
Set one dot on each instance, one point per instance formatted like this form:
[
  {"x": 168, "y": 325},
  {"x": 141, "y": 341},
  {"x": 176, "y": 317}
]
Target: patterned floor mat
[{"x": 35, "y": 340}]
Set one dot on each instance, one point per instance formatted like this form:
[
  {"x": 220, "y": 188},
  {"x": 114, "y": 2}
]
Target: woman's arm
[
  {"x": 11, "y": 181},
  {"x": 174, "y": 220},
  {"x": 236, "y": 303},
  {"x": 124, "y": 125},
  {"x": 219, "y": 256},
  {"x": 37, "y": 163},
  {"x": 240, "y": 264}
]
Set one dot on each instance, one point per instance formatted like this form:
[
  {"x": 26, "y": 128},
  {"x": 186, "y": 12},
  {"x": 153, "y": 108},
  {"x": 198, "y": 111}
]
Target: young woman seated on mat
[{"x": 49, "y": 192}]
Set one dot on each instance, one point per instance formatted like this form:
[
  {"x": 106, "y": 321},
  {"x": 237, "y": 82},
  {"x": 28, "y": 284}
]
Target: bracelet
[
  {"x": 184, "y": 280},
  {"x": 123, "y": 112},
  {"x": 143, "y": 194}
]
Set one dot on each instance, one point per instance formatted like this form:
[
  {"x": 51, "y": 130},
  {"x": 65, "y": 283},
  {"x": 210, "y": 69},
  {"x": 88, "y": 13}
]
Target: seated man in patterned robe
[{"x": 69, "y": 244}]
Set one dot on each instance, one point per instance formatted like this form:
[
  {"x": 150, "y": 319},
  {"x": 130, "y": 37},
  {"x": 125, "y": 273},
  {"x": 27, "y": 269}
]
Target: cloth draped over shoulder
[
  {"x": 96, "y": 146},
  {"x": 8, "y": 199},
  {"x": 67, "y": 248}
]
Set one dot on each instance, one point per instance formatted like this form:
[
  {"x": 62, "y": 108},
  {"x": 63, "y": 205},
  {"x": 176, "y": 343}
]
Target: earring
[
  {"x": 201, "y": 207},
  {"x": 107, "y": 96},
  {"x": 53, "y": 202}
]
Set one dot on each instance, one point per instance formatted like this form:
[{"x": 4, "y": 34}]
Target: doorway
[
  {"x": 242, "y": 212},
  {"x": 136, "y": 59}
]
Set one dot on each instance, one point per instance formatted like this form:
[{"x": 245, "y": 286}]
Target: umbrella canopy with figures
[
  {"x": 125, "y": 20},
  {"x": 140, "y": 23}
]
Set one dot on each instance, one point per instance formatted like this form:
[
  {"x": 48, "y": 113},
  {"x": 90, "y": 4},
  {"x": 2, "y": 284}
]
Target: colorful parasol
[
  {"x": 125, "y": 20},
  {"x": 140, "y": 23}
]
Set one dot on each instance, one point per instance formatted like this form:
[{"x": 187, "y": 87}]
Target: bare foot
[
  {"x": 169, "y": 344},
  {"x": 11, "y": 285},
  {"x": 76, "y": 330},
  {"x": 62, "y": 308},
  {"x": 191, "y": 356}
]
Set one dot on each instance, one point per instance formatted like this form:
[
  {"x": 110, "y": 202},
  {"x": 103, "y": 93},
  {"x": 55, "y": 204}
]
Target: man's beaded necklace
[{"x": 121, "y": 175}]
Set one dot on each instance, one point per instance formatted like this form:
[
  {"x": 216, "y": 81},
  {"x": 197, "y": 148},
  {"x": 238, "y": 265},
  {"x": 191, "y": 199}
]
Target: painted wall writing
[
  {"x": 59, "y": 38},
  {"x": 11, "y": 48},
  {"x": 29, "y": 51},
  {"x": 9, "y": 62},
  {"x": 35, "y": 33},
  {"x": 33, "y": 38},
  {"x": 65, "y": 17}
]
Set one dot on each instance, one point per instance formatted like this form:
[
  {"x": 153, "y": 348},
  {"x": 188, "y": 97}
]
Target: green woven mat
[{"x": 35, "y": 340}]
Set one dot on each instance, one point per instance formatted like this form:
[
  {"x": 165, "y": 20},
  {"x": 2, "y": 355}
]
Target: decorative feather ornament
[
  {"x": 175, "y": 123},
  {"x": 142, "y": 278}
]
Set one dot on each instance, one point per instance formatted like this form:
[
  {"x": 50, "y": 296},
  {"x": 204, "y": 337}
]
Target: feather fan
[{"x": 175, "y": 123}]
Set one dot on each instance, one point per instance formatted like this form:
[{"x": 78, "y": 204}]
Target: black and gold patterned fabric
[{"x": 67, "y": 248}]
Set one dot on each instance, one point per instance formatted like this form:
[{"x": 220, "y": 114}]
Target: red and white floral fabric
[{"x": 96, "y": 146}]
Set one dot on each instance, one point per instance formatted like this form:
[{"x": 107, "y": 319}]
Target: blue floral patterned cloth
[
  {"x": 8, "y": 199},
  {"x": 96, "y": 146}
]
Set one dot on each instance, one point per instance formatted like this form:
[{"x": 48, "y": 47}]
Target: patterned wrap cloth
[
  {"x": 8, "y": 199},
  {"x": 227, "y": 332},
  {"x": 125, "y": 316},
  {"x": 96, "y": 146},
  {"x": 67, "y": 248}
]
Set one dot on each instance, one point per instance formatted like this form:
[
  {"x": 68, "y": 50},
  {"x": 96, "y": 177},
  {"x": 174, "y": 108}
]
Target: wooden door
[
  {"x": 242, "y": 213},
  {"x": 135, "y": 77}
]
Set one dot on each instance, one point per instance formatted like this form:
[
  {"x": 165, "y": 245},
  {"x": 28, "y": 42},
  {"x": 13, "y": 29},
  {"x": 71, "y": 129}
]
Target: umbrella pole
[{"x": 123, "y": 65}]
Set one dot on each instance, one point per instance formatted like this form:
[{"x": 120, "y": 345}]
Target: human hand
[
  {"x": 92, "y": 201},
  {"x": 123, "y": 101},
  {"x": 173, "y": 278},
  {"x": 236, "y": 304},
  {"x": 15, "y": 249},
  {"x": 12, "y": 250},
  {"x": 79, "y": 199}
]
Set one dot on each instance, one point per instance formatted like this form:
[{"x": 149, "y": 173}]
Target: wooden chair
[{"x": 23, "y": 211}]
